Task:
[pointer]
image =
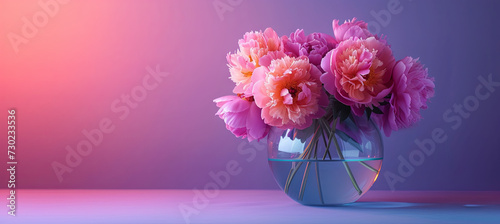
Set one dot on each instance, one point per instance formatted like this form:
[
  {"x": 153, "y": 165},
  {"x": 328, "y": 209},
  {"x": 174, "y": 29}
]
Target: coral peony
[
  {"x": 358, "y": 73},
  {"x": 252, "y": 48},
  {"x": 289, "y": 92},
  {"x": 412, "y": 89},
  {"x": 315, "y": 46},
  {"x": 242, "y": 117},
  {"x": 351, "y": 28}
]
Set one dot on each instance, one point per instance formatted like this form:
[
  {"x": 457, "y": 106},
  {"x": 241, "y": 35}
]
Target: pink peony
[
  {"x": 315, "y": 45},
  {"x": 241, "y": 69},
  {"x": 289, "y": 92},
  {"x": 252, "y": 48},
  {"x": 412, "y": 89},
  {"x": 242, "y": 117},
  {"x": 358, "y": 73},
  {"x": 351, "y": 28}
]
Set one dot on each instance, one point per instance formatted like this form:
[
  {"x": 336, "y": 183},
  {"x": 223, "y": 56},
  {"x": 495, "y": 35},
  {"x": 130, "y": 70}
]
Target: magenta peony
[
  {"x": 412, "y": 89},
  {"x": 242, "y": 117},
  {"x": 351, "y": 28},
  {"x": 289, "y": 92},
  {"x": 358, "y": 73},
  {"x": 315, "y": 46},
  {"x": 252, "y": 48}
]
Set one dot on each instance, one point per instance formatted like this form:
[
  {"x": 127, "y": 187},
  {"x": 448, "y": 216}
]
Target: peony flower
[
  {"x": 242, "y": 117},
  {"x": 315, "y": 46},
  {"x": 412, "y": 89},
  {"x": 358, "y": 73},
  {"x": 289, "y": 92},
  {"x": 351, "y": 28},
  {"x": 257, "y": 44},
  {"x": 252, "y": 48},
  {"x": 240, "y": 68}
]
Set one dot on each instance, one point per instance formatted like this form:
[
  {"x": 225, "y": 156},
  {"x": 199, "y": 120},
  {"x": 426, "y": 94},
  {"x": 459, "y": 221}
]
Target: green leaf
[
  {"x": 340, "y": 110},
  {"x": 304, "y": 134},
  {"x": 345, "y": 114},
  {"x": 348, "y": 139},
  {"x": 368, "y": 113},
  {"x": 377, "y": 110}
]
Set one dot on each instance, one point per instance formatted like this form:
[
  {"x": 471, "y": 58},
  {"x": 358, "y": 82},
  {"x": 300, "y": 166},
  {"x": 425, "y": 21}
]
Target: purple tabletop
[{"x": 247, "y": 206}]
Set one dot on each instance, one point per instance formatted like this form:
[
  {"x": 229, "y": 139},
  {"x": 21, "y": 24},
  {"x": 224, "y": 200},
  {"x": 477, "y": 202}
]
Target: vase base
[{"x": 325, "y": 182}]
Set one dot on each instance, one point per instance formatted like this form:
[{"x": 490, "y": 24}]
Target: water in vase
[{"x": 326, "y": 182}]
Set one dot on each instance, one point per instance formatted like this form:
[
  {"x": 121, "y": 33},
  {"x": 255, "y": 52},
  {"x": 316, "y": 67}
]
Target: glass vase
[{"x": 332, "y": 162}]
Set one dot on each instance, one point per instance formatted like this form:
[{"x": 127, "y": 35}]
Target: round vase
[{"x": 329, "y": 163}]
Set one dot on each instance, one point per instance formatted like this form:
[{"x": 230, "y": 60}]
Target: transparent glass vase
[{"x": 332, "y": 162}]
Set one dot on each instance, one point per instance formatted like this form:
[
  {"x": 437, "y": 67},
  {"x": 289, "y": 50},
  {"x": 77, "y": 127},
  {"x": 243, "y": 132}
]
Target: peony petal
[
  {"x": 272, "y": 39},
  {"x": 315, "y": 73},
  {"x": 328, "y": 78},
  {"x": 238, "y": 132},
  {"x": 239, "y": 88},
  {"x": 305, "y": 93},
  {"x": 287, "y": 98},
  {"x": 259, "y": 94},
  {"x": 236, "y": 106},
  {"x": 398, "y": 70},
  {"x": 259, "y": 74},
  {"x": 358, "y": 110},
  {"x": 225, "y": 99},
  {"x": 235, "y": 120},
  {"x": 354, "y": 31},
  {"x": 257, "y": 129}
]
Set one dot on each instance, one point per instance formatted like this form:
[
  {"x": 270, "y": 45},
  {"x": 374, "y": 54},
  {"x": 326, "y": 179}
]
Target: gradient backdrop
[{"x": 67, "y": 71}]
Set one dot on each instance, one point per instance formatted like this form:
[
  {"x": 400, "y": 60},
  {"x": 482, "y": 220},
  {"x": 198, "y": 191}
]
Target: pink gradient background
[{"x": 66, "y": 77}]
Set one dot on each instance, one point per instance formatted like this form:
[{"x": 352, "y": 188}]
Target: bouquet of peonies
[{"x": 294, "y": 81}]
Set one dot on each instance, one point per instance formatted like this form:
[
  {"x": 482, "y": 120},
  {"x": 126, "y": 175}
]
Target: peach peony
[
  {"x": 289, "y": 92},
  {"x": 252, "y": 48}
]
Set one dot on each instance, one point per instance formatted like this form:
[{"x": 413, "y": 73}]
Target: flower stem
[
  {"x": 319, "y": 183},
  {"x": 314, "y": 141},
  {"x": 341, "y": 156},
  {"x": 306, "y": 153},
  {"x": 311, "y": 148},
  {"x": 368, "y": 166},
  {"x": 329, "y": 137},
  {"x": 304, "y": 181},
  {"x": 328, "y": 148}
]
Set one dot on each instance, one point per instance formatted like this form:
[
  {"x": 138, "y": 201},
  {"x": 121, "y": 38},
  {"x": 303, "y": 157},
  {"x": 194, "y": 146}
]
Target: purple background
[{"x": 173, "y": 139}]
